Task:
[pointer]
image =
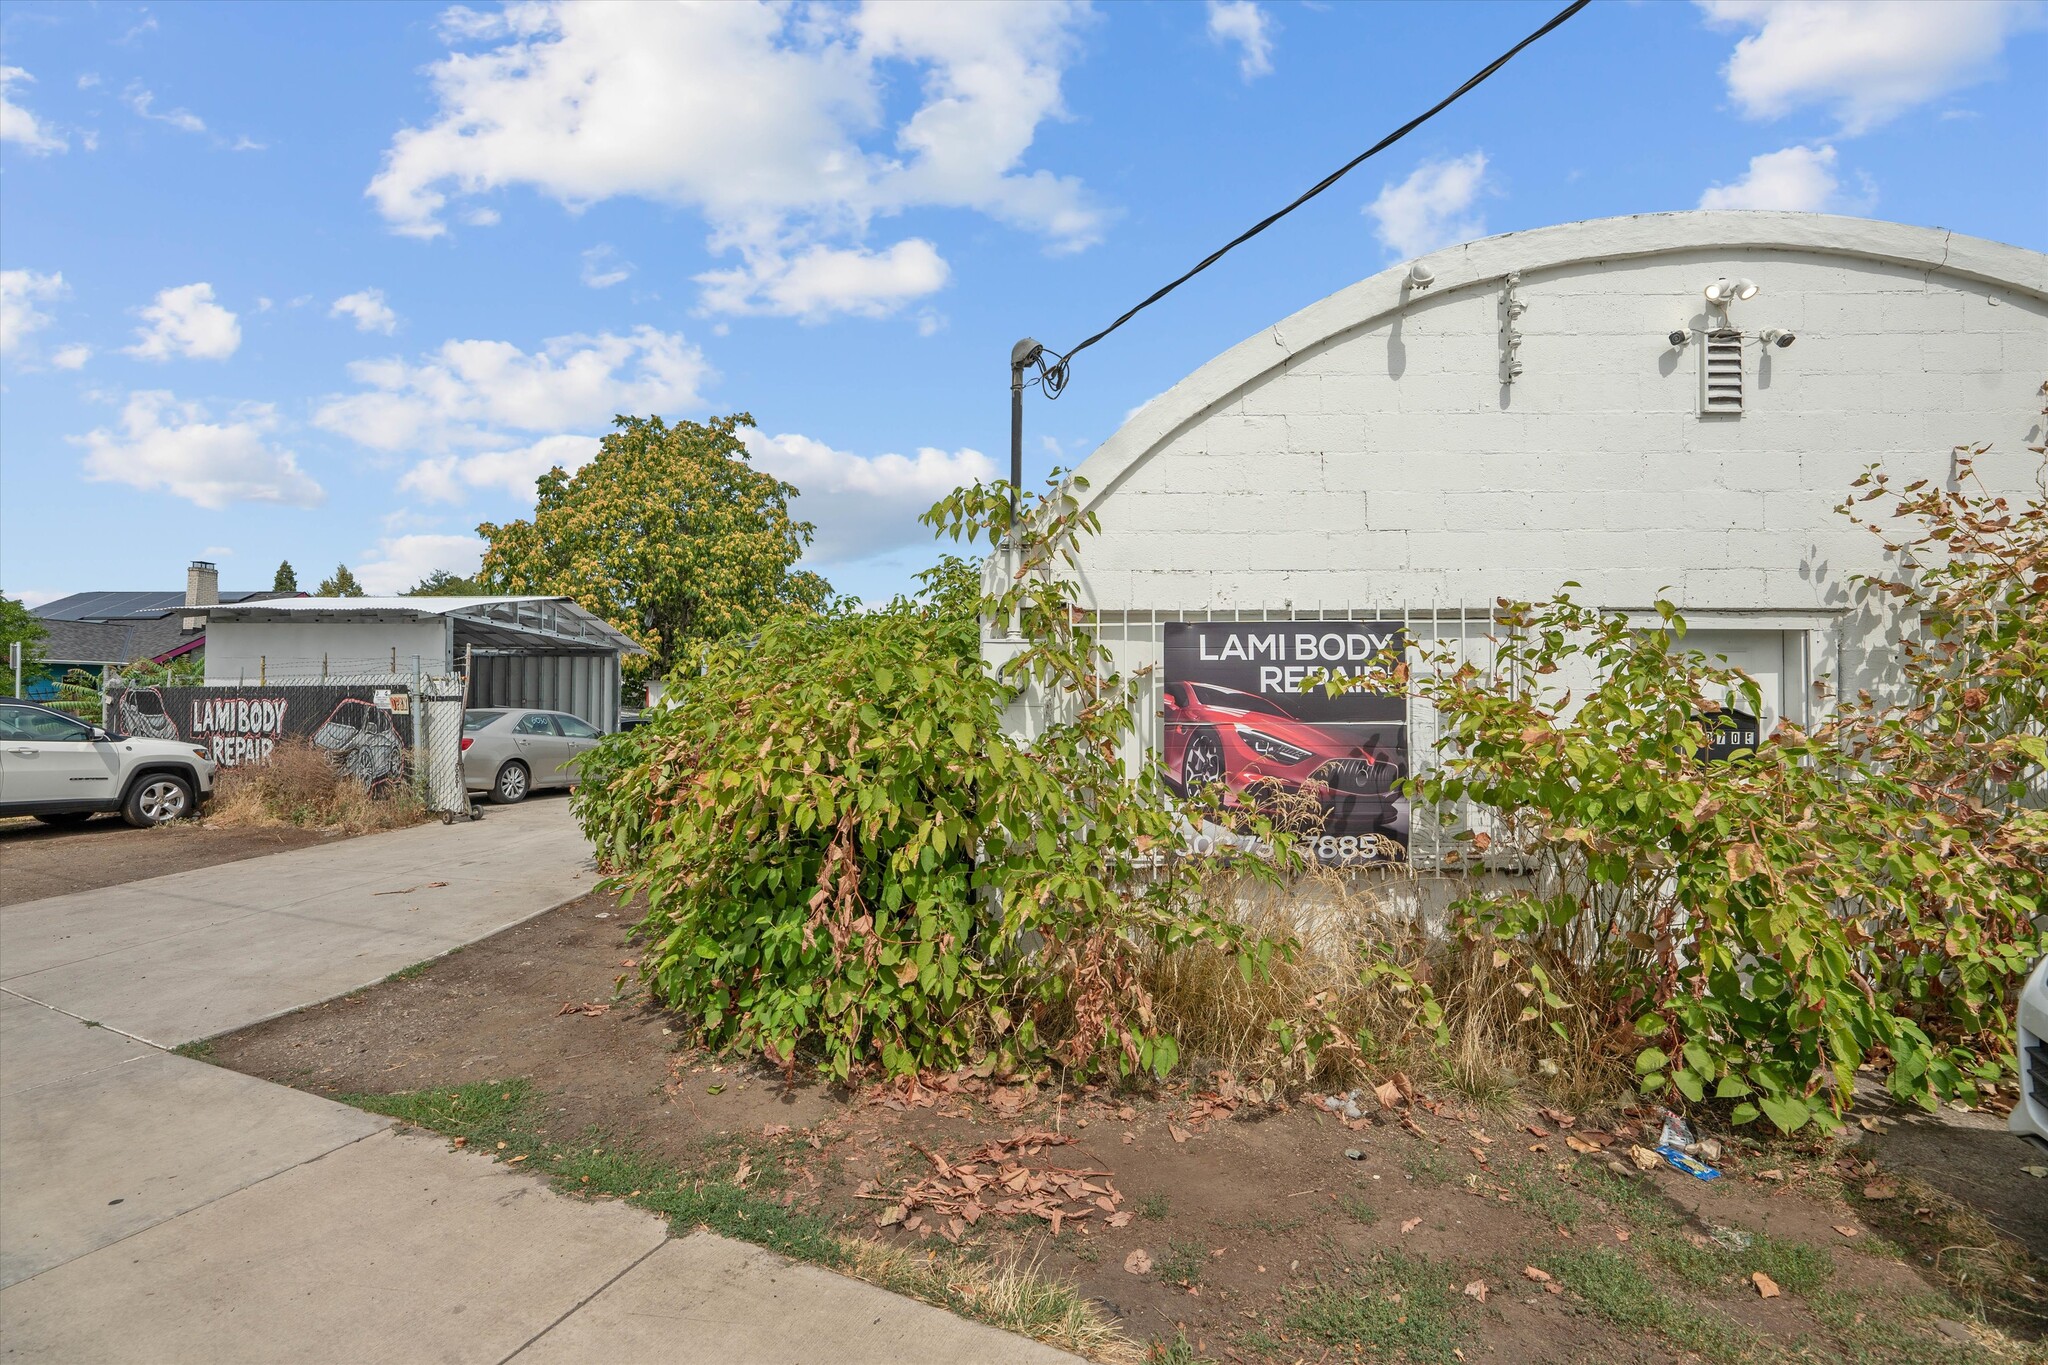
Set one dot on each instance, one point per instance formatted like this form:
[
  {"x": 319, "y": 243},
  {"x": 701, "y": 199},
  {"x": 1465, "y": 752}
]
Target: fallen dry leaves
[
  {"x": 1476, "y": 1290},
  {"x": 1000, "y": 1177},
  {"x": 1881, "y": 1188},
  {"x": 594, "y": 1008},
  {"x": 1766, "y": 1287},
  {"x": 1848, "y": 1231},
  {"x": 1139, "y": 1262},
  {"x": 1409, "y": 1225}
]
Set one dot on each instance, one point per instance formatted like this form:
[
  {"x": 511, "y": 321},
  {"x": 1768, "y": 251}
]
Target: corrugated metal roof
[{"x": 515, "y": 621}]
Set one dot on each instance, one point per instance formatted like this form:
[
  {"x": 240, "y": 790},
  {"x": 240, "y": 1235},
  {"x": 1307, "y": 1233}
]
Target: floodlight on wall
[
  {"x": 1420, "y": 276},
  {"x": 1725, "y": 291},
  {"x": 1776, "y": 336}
]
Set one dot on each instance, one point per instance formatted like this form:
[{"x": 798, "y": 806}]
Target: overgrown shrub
[
  {"x": 1756, "y": 929},
  {"x": 843, "y": 853},
  {"x": 299, "y": 784}
]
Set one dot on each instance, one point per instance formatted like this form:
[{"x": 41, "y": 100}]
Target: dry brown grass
[
  {"x": 300, "y": 786},
  {"x": 1346, "y": 931},
  {"x": 1017, "y": 1296}
]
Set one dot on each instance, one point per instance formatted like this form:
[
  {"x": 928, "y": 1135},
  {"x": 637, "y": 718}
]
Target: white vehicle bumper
[{"x": 2030, "y": 1116}]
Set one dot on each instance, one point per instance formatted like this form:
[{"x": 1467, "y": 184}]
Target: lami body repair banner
[{"x": 1249, "y": 715}]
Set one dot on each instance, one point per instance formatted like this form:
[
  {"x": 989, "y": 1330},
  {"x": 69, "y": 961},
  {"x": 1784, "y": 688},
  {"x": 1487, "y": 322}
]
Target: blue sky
[{"x": 335, "y": 282}]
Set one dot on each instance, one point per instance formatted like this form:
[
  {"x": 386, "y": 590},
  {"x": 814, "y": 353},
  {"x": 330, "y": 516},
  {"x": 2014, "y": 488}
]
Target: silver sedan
[{"x": 511, "y": 751}]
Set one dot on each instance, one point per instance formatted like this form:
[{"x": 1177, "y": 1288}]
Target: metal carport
[{"x": 544, "y": 652}]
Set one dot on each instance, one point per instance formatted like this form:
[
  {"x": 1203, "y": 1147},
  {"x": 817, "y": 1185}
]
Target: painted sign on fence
[
  {"x": 365, "y": 729},
  {"x": 1239, "y": 722}
]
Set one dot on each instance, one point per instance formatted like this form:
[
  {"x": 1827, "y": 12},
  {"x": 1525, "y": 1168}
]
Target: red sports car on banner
[{"x": 1221, "y": 735}]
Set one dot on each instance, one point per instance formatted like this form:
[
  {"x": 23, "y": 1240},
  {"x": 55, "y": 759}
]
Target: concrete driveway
[{"x": 157, "y": 1209}]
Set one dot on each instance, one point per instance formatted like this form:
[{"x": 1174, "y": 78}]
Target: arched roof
[{"x": 1381, "y": 296}]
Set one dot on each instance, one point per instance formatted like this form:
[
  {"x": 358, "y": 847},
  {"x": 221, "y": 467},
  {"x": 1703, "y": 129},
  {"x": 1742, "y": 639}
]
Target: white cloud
[
  {"x": 216, "y": 552},
  {"x": 173, "y": 446},
  {"x": 20, "y": 292},
  {"x": 1797, "y": 179},
  {"x": 776, "y": 123},
  {"x": 244, "y": 143},
  {"x": 143, "y": 102},
  {"x": 18, "y": 125},
  {"x": 483, "y": 217},
  {"x": 398, "y": 562},
  {"x": 821, "y": 281},
  {"x": 864, "y": 505},
  {"x": 1430, "y": 209},
  {"x": 71, "y": 357},
  {"x": 368, "y": 309},
  {"x": 602, "y": 267},
  {"x": 450, "y": 478},
  {"x": 35, "y": 597},
  {"x": 1867, "y": 61},
  {"x": 469, "y": 393},
  {"x": 185, "y": 321},
  {"x": 1243, "y": 23}
]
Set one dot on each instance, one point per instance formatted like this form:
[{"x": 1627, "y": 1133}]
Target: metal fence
[{"x": 381, "y": 728}]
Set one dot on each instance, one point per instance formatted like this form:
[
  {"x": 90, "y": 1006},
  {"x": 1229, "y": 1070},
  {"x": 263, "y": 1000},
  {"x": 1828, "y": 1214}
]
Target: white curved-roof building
[{"x": 1403, "y": 453}]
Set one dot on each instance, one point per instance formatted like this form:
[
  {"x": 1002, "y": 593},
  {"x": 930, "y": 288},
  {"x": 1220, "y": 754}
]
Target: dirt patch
[
  {"x": 46, "y": 860},
  {"x": 1267, "y": 1234}
]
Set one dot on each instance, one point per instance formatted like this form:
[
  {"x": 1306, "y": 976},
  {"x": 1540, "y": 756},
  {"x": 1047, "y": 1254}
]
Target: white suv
[
  {"x": 62, "y": 770},
  {"x": 2030, "y": 1115}
]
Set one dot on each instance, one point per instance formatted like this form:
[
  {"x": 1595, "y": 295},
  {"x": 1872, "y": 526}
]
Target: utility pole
[{"x": 1025, "y": 352}]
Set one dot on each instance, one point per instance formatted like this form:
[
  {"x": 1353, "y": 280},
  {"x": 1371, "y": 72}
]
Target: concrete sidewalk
[{"x": 157, "y": 1209}]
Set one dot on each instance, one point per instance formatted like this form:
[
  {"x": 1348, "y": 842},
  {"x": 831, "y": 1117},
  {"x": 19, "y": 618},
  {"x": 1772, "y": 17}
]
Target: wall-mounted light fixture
[
  {"x": 1420, "y": 276},
  {"x": 1725, "y": 291}
]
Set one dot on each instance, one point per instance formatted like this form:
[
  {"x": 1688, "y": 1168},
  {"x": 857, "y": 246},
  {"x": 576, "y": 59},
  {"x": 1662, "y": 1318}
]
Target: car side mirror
[{"x": 100, "y": 736}]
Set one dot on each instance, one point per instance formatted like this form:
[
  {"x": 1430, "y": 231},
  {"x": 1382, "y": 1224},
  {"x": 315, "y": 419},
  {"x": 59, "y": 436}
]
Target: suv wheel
[
  {"x": 156, "y": 799},
  {"x": 510, "y": 788}
]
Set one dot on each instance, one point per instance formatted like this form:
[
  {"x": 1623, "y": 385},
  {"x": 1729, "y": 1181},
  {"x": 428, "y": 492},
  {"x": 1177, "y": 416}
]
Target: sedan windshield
[{"x": 473, "y": 721}]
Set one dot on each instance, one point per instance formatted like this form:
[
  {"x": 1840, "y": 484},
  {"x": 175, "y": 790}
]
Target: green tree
[
  {"x": 669, "y": 533},
  {"x": 441, "y": 583},
  {"x": 17, "y": 622},
  {"x": 341, "y": 583},
  {"x": 286, "y": 580}
]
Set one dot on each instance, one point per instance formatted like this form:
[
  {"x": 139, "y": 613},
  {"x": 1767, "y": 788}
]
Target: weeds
[
  {"x": 1542, "y": 1193},
  {"x": 502, "y": 1119},
  {"x": 1796, "y": 1267},
  {"x": 1617, "y": 1289},
  {"x": 1183, "y": 1262},
  {"x": 299, "y": 785},
  {"x": 1394, "y": 1303},
  {"x": 1154, "y": 1207},
  {"x": 199, "y": 1050},
  {"x": 1358, "y": 1211}
]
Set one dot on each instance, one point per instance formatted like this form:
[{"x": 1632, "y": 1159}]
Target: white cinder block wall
[{"x": 1363, "y": 456}]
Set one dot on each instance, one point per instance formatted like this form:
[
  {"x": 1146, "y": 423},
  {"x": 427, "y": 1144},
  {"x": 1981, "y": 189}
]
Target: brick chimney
[{"x": 202, "y": 589}]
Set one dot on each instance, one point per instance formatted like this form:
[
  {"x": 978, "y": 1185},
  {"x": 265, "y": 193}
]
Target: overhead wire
[{"x": 1053, "y": 378}]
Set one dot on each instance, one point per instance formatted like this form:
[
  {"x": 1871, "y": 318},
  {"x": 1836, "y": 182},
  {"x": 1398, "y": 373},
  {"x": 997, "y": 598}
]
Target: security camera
[
  {"x": 1680, "y": 338},
  {"x": 1776, "y": 336},
  {"x": 1420, "y": 276}
]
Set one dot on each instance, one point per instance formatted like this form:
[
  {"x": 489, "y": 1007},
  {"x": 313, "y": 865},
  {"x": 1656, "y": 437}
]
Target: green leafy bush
[
  {"x": 842, "y": 854},
  {"x": 1756, "y": 929}
]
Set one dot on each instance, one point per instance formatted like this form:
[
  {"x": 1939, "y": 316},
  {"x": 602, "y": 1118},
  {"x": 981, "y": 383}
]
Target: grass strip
[
  {"x": 503, "y": 1120},
  {"x": 1391, "y": 1304}
]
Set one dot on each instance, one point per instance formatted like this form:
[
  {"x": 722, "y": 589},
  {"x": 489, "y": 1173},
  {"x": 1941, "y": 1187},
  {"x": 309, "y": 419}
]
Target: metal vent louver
[{"x": 1721, "y": 372}]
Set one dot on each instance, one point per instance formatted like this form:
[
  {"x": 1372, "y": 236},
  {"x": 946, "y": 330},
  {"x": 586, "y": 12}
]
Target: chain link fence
[{"x": 381, "y": 728}]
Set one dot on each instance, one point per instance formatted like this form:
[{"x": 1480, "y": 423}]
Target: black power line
[{"x": 1053, "y": 378}]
